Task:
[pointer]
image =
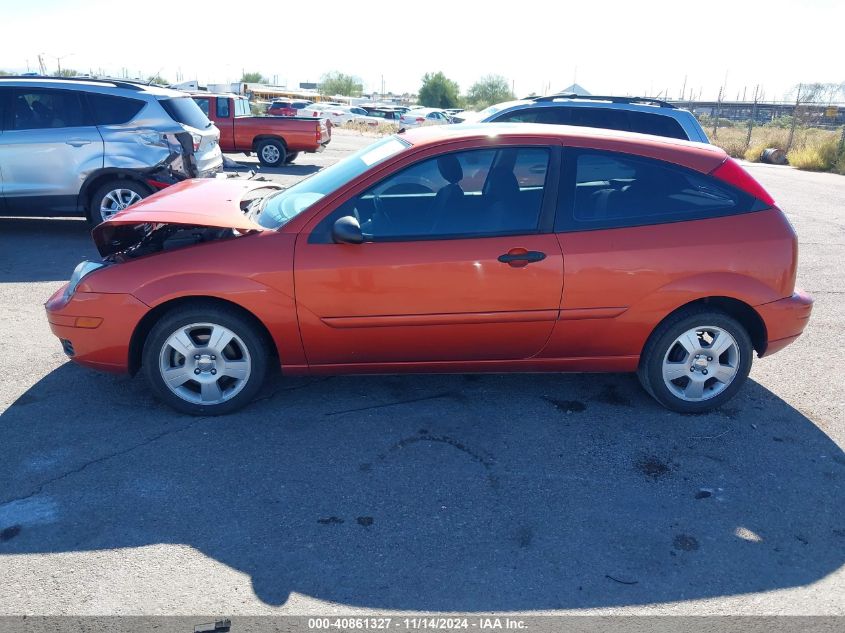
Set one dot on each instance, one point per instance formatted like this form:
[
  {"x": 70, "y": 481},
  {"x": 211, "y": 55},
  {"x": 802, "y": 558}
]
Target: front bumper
[
  {"x": 785, "y": 320},
  {"x": 95, "y": 329}
]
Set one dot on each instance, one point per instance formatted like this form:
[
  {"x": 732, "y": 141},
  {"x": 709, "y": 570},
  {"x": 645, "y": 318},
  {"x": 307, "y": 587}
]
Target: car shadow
[
  {"x": 24, "y": 257},
  {"x": 446, "y": 493}
]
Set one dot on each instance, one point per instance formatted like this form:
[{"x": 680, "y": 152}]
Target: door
[
  {"x": 47, "y": 150},
  {"x": 456, "y": 264}
]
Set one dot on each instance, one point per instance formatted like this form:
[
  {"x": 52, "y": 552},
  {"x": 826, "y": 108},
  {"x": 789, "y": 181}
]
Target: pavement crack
[
  {"x": 393, "y": 404},
  {"x": 74, "y": 471}
]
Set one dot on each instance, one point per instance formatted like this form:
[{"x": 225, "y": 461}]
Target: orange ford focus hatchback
[{"x": 497, "y": 248}]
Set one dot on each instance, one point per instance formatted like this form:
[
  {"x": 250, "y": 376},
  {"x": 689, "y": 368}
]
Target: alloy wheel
[
  {"x": 701, "y": 363},
  {"x": 117, "y": 200},
  {"x": 205, "y": 363}
]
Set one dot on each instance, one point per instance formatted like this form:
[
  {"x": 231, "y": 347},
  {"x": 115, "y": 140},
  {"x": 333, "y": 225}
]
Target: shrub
[{"x": 818, "y": 156}]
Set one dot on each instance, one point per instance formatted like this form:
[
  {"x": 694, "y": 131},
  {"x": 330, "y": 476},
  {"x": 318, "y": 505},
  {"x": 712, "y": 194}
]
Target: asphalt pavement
[{"x": 526, "y": 493}]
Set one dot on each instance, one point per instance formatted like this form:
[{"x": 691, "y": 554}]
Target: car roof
[
  {"x": 698, "y": 156},
  {"x": 93, "y": 84}
]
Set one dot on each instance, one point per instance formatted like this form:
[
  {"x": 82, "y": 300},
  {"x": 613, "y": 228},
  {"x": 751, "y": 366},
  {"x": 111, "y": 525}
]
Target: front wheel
[
  {"x": 696, "y": 360},
  {"x": 271, "y": 153},
  {"x": 205, "y": 359}
]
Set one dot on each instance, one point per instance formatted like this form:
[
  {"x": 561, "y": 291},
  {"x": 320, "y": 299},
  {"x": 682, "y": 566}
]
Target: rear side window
[
  {"x": 44, "y": 109},
  {"x": 242, "y": 107},
  {"x": 605, "y": 118},
  {"x": 656, "y": 124},
  {"x": 110, "y": 110},
  {"x": 184, "y": 110},
  {"x": 223, "y": 107},
  {"x": 611, "y": 190},
  {"x": 554, "y": 116}
]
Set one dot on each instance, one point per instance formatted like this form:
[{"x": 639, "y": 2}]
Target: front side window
[
  {"x": 223, "y": 107},
  {"x": 474, "y": 193},
  {"x": 45, "y": 109},
  {"x": 616, "y": 190}
]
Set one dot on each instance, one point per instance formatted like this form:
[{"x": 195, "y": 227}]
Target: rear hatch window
[{"x": 184, "y": 110}]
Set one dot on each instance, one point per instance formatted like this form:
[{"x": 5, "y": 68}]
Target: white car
[
  {"x": 424, "y": 116},
  {"x": 338, "y": 114}
]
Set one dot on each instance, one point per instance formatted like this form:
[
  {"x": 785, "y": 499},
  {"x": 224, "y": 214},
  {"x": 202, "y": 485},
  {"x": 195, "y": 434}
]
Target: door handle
[
  {"x": 518, "y": 257},
  {"x": 78, "y": 142}
]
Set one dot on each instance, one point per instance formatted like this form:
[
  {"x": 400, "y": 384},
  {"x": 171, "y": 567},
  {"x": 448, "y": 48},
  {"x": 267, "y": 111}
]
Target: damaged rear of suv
[{"x": 93, "y": 147}]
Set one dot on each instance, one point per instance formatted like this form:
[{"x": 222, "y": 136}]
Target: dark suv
[{"x": 631, "y": 114}]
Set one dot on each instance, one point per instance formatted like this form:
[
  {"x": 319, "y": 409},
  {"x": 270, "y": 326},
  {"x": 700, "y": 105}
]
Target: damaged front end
[{"x": 188, "y": 213}]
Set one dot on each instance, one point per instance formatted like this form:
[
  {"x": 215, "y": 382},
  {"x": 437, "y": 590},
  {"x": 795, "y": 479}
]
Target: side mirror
[{"x": 347, "y": 230}]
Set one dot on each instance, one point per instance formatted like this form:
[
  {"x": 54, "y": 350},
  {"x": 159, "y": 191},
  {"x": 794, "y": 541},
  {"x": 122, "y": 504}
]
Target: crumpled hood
[{"x": 212, "y": 202}]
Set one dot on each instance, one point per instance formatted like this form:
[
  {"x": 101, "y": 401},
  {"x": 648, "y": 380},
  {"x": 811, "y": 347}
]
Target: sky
[{"x": 628, "y": 47}]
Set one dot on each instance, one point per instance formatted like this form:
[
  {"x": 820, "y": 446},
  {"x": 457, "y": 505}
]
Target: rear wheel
[
  {"x": 205, "y": 359},
  {"x": 696, "y": 360},
  {"x": 271, "y": 153},
  {"x": 113, "y": 196}
]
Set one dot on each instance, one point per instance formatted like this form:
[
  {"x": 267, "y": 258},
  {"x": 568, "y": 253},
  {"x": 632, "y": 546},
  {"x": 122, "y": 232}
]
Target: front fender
[{"x": 275, "y": 309}]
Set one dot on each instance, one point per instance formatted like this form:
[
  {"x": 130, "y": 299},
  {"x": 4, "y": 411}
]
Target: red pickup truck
[{"x": 276, "y": 140}]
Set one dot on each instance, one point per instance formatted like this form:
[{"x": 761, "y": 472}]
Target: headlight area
[{"x": 82, "y": 270}]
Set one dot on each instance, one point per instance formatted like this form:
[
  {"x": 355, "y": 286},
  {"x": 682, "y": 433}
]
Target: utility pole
[
  {"x": 794, "y": 119},
  {"x": 718, "y": 112},
  {"x": 683, "y": 89},
  {"x": 753, "y": 117}
]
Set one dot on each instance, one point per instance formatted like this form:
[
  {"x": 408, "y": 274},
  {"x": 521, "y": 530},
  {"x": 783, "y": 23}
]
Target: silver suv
[{"x": 93, "y": 147}]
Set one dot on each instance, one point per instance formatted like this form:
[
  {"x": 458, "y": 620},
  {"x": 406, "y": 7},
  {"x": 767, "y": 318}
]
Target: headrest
[{"x": 450, "y": 168}]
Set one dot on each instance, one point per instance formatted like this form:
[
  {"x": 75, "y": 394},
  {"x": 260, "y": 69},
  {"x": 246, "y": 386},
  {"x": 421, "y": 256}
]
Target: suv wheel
[
  {"x": 114, "y": 196},
  {"x": 696, "y": 360},
  {"x": 205, "y": 359},
  {"x": 271, "y": 153}
]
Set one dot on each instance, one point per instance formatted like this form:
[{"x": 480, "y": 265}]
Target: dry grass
[
  {"x": 382, "y": 129},
  {"x": 812, "y": 148}
]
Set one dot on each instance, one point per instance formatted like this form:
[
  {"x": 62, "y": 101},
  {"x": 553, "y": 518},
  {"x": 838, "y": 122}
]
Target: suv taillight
[
  {"x": 319, "y": 134},
  {"x": 732, "y": 173}
]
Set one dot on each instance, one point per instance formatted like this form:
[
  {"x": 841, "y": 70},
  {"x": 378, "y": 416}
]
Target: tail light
[
  {"x": 732, "y": 173},
  {"x": 197, "y": 141},
  {"x": 319, "y": 134},
  {"x": 420, "y": 119}
]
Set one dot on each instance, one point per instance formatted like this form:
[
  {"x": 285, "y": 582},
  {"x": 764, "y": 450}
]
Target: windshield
[{"x": 281, "y": 207}]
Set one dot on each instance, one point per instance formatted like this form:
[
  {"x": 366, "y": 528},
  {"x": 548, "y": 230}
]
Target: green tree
[
  {"x": 4, "y": 73},
  {"x": 157, "y": 79},
  {"x": 488, "y": 90},
  {"x": 253, "y": 78},
  {"x": 338, "y": 83},
  {"x": 66, "y": 72},
  {"x": 438, "y": 91}
]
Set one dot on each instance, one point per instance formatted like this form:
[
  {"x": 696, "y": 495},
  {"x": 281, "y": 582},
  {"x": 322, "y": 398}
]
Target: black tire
[
  {"x": 292, "y": 156},
  {"x": 266, "y": 154},
  {"x": 663, "y": 338},
  {"x": 94, "y": 214},
  {"x": 250, "y": 335}
]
